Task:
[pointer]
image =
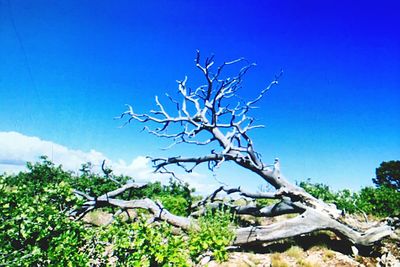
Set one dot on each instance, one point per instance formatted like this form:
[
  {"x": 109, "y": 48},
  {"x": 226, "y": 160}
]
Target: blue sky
[{"x": 68, "y": 67}]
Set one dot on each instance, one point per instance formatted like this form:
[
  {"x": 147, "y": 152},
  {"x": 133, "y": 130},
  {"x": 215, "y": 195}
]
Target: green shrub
[
  {"x": 34, "y": 230},
  {"x": 177, "y": 205},
  {"x": 343, "y": 199},
  {"x": 138, "y": 244},
  {"x": 347, "y": 201},
  {"x": 215, "y": 235},
  {"x": 176, "y": 197},
  {"x": 93, "y": 183},
  {"x": 381, "y": 202},
  {"x": 319, "y": 190}
]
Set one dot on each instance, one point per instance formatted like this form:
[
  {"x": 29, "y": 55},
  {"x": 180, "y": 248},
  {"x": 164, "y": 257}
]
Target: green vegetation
[
  {"x": 215, "y": 235},
  {"x": 35, "y": 229},
  {"x": 381, "y": 201},
  {"x": 137, "y": 244},
  {"x": 388, "y": 174}
]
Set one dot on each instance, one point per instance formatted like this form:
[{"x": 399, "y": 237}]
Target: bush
[
  {"x": 214, "y": 236},
  {"x": 36, "y": 231},
  {"x": 95, "y": 184},
  {"x": 319, "y": 190},
  {"x": 137, "y": 244},
  {"x": 176, "y": 197},
  {"x": 344, "y": 199},
  {"x": 381, "y": 202}
]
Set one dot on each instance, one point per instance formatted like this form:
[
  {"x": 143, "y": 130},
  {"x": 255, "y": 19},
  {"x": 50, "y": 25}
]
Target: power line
[{"x": 24, "y": 53}]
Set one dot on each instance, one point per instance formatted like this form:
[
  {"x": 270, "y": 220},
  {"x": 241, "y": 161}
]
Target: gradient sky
[{"x": 68, "y": 67}]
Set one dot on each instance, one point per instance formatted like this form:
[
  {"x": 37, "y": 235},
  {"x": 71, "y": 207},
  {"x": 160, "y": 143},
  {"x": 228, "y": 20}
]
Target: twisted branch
[{"x": 214, "y": 115}]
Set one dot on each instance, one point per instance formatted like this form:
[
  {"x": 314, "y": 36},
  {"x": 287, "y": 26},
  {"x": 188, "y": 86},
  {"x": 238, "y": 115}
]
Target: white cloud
[{"x": 16, "y": 149}]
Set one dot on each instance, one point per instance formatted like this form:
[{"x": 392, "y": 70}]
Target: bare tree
[{"x": 214, "y": 115}]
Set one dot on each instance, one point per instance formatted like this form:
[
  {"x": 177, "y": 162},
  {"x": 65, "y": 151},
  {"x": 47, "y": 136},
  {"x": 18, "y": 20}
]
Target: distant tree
[{"x": 388, "y": 174}]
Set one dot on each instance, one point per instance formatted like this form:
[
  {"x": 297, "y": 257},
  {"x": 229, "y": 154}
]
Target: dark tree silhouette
[{"x": 388, "y": 174}]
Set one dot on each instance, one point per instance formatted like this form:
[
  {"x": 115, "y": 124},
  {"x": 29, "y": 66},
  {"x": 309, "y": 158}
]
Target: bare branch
[
  {"x": 108, "y": 199},
  {"x": 163, "y": 162},
  {"x": 274, "y": 82},
  {"x": 214, "y": 114},
  {"x": 107, "y": 172},
  {"x": 305, "y": 223},
  {"x": 214, "y": 195}
]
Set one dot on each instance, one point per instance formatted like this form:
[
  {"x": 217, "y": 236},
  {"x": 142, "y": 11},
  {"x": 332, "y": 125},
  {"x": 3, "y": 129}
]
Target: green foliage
[
  {"x": 318, "y": 190},
  {"x": 137, "y": 244},
  {"x": 388, "y": 174},
  {"x": 35, "y": 230},
  {"x": 347, "y": 201},
  {"x": 176, "y": 197},
  {"x": 215, "y": 235},
  {"x": 343, "y": 199},
  {"x": 93, "y": 183},
  {"x": 264, "y": 202},
  {"x": 381, "y": 202},
  {"x": 175, "y": 204},
  {"x": 39, "y": 175}
]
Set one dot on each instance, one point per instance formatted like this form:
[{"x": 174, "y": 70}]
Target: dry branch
[{"x": 214, "y": 115}]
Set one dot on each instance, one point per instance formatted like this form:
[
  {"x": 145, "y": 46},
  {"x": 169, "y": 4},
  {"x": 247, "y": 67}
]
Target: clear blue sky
[{"x": 68, "y": 67}]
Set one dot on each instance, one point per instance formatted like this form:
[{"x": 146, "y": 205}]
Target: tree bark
[
  {"x": 213, "y": 114},
  {"x": 308, "y": 222}
]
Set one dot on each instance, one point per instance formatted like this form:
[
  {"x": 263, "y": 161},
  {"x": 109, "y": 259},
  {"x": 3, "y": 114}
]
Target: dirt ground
[{"x": 318, "y": 255}]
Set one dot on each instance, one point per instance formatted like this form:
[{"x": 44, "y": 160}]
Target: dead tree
[{"x": 213, "y": 115}]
